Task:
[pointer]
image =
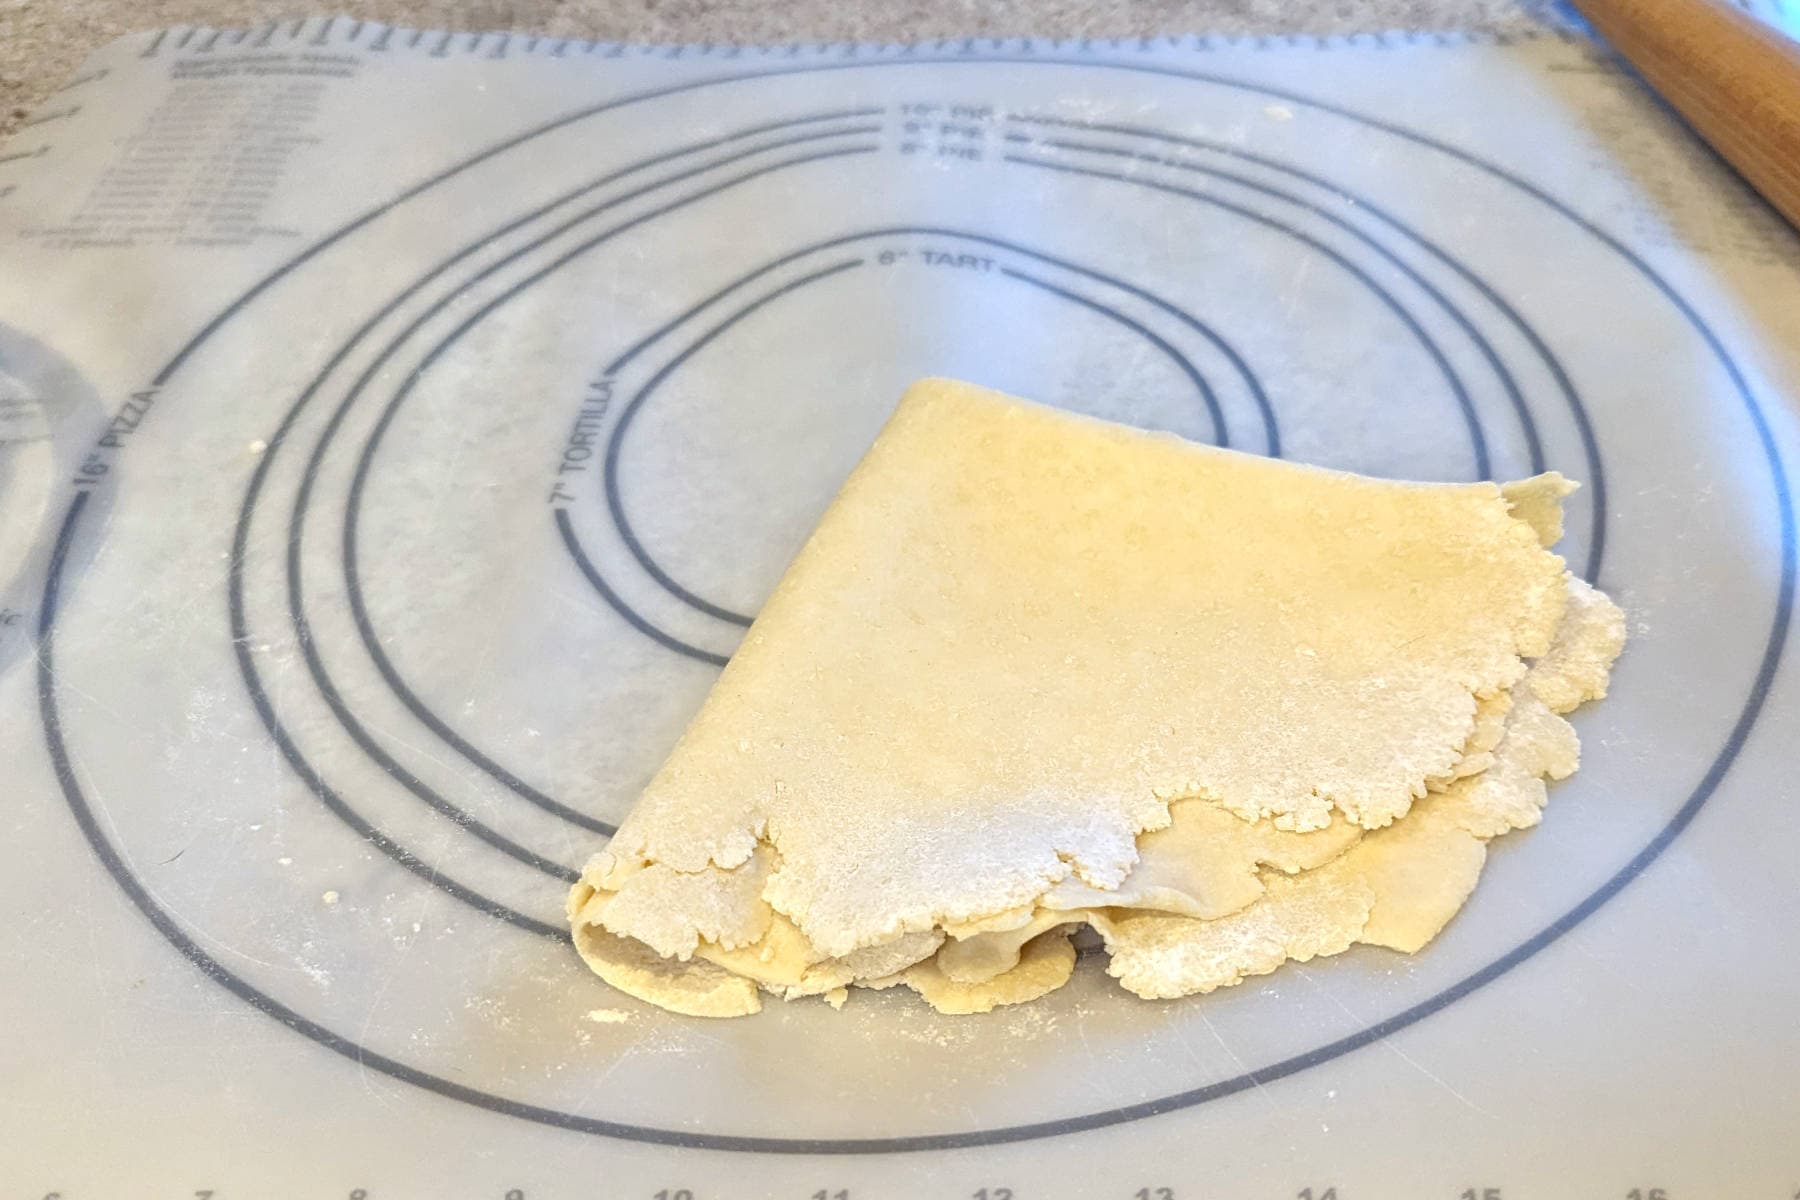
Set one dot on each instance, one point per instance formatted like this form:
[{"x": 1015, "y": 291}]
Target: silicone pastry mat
[{"x": 400, "y": 429}]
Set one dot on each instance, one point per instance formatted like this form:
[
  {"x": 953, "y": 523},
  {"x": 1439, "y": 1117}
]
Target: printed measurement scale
[{"x": 399, "y": 430}]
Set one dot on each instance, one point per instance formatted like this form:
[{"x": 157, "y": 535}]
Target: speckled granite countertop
[{"x": 43, "y": 41}]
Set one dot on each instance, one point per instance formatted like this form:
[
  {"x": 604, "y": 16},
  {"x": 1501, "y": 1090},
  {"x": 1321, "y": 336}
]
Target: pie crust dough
[{"x": 1034, "y": 670}]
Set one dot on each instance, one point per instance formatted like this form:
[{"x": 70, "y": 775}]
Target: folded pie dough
[{"x": 1033, "y": 669}]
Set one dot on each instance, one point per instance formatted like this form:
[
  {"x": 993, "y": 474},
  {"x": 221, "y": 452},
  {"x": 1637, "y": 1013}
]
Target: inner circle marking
[{"x": 615, "y": 501}]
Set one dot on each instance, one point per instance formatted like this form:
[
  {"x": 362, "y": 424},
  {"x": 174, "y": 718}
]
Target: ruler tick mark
[
  {"x": 76, "y": 82},
  {"x": 58, "y": 115}
]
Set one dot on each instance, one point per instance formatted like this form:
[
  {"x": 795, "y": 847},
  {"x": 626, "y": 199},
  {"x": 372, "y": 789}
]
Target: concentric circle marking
[
  {"x": 171, "y": 931},
  {"x": 334, "y": 801}
]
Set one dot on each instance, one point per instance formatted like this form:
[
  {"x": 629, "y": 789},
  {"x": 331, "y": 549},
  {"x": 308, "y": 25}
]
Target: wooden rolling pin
[{"x": 1734, "y": 78}]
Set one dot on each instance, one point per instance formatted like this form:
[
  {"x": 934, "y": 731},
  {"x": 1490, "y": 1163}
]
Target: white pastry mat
[{"x": 396, "y": 430}]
